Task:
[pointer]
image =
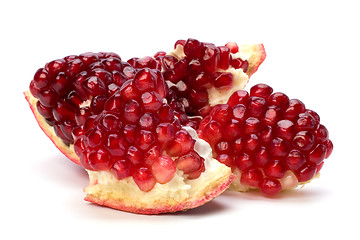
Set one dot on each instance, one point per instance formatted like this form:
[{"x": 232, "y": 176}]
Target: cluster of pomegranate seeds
[
  {"x": 64, "y": 85},
  {"x": 202, "y": 67},
  {"x": 138, "y": 135},
  {"x": 264, "y": 135}
]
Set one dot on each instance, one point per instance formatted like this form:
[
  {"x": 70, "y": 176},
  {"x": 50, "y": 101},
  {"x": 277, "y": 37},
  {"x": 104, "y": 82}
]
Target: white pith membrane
[{"x": 181, "y": 191}]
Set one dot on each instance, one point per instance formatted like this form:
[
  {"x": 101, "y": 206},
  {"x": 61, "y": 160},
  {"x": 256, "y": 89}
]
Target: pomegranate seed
[
  {"x": 223, "y": 80},
  {"x": 274, "y": 169},
  {"x": 279, "y": 147},
  {"x": 112, "y": 64},
  {"x": 132, "y": 111},
  {"x": 48, "y": 98},
  {"x": 295, "y": 107},
  {"x": 180, "y": 42},
  {"x": 41, "y": 79},
  {"x": 134, "y": 155},
  {"x": 224, "y": 61},
  {"x": 305, "y": 122},
  {"x": 182, "y": 144},
  {"x": 318, "y": 154},
  {"x": 306, "y": 172},
  {"x": 116, "y": 145},
  {"x": 295, "y": 159},
  {"x": 221, "y": 113},
  {"x": 165, "y": 133},
  {"x": 61, "y": 84},
  {"x": 56, "y": 66},
  {"x": 189, "y": 162},
  {"x": 145, "y": 139},
  {"x": 129, "y": 133},
  {"x": 239, "y": 112},
  {"x": 222, "y": 147},
  {"x": 252, "y": 125},
  {"x": 329, "y": 147},
  {"x": 147, "y": 121},
  {"x": 251, "y": 177},
  {"x": 129, "y": 91},
  {"x": 243, "y": 161},
  {"x": 151, "y": 155},
  {"x": 46, "y": 112},
  {"x": 271, "y": 116},
  {"x": 144, "y": 179},
  {"x": 321, "y": 133},
  {"x": 261, "y": 90},
  {"x": 256, "y": 106},
  {"x": 193, "y": 48},
  {"x": 232, "y": 46},
  {"x": 285, "y": 129},
  {"x": 94, "y": 86},
  {"x": 163, "y": 169},
  {"x": 251, "y": 143},
  {"x": 34, "y": 90},
  {"x": 278, "y": 99},
  {"x": 110, "y": 123},
  {"x": 74, "y": 67},
  {"x": 145, "y": 80},
  {"x": 270, "y": 186},
  {"x": 210, "y": 58},
  {"x": 231, "y": 130},
  {"x": 303, "y": 140},
  {"x": 63, "y": 111},
  {"x": 99, "y": 160},
  {"x": 121, "y": 169},
  {"x": 261, "y": 156},
  {"x": 225, "y": 159},
  {"x": 94, "y": 138},
  {"x": 151, "y": 101}
]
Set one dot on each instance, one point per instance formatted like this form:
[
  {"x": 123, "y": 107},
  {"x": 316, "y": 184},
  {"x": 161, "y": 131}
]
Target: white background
[{"x": 312, "y": 54}]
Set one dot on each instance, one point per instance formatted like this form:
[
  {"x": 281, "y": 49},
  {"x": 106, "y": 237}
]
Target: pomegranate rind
[
  {"x": 68, "y": 151},
  {"x": 123, "y": 195}
]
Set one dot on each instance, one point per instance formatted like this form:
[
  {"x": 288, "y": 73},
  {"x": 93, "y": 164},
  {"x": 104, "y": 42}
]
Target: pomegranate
[
  {"x": 113, "y": 118},
  {"x": 270, "y": 142}
]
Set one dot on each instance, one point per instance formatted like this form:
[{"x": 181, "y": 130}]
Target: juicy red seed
[
  {"x": 180, "y": 42},
  {"x": 270, "y": 186},
  {"x": 245, "y": 66},
  {"x": 145, "y": 139},
  {"x": 110, "y": 123},
  {"x": 306, "y": 172},
  {"x": 121, "y": 169},
  {"x": 303, "y": 140},
  {"x": 114, "y": 103},
  {"x": 67, "y": 127},
  {"x": 251, "y": 143},
  {"x": 275, "y": 169},
  {"x": 93, "y": 138},
  {"x": 223, "y": 80},
  {"x": 314, "y": 114},
  {"x": 63, "y": 111},
  {"x": 104, "y": 75},
  {"x": 132, "y": 111},
  {"x": 210, "y": 58},
  {"x": 261, "y": 90},
  {"x": 46, "y": 112},
  {"x": 285, "y": 129},
  {"x": 189, "y": 162},
  {"x": 165, "y": 133},
  {"x": 266, "y": 135},
  {"x": 232, "y": 130},
  {"x": 239, "y": 112},
  {"x": 74, "y": 99},
  {"x": 318, "y": 154},
  {"x": 182, "y": 143},
  {"x": 237, "y": 145},
  {"x": 144, "y": 179},
  {"x": 234, "y": 48},
  {"x": 321, "y": 133},
  {"x": 48, "y": 98},
  {"x": 213, "y": 132},
  {"x": 305, "y": 122},
  {"x": 79, "y": 146},
  {"x": 160, "y": 54},
  {"x": 134, "y": 155},
  {"x": 99, "y": 160},
  {"x": 279, "y": 147},
  {"x": 193, "y": 48},
  {"x": 168, "y": 62},
  {"x": 194, "y": 66},
  {"x": 224, "y": 61},
  {"x": 272, "y": 116},
  {"x": 145, "y": 80},
  {"x": 151, "y": 155},
  {"x": 329, "y": 147},
  {"x": 88, "y": 58},
  {"x": 261, "y": 156},
  {"x": 129, "y": 133},
  {"x": 222, "y": 147},
  {"x": 129, "y": 91},
  {"x": 89, "y": 123},
  {"x": 252, "y": 125},
  {"x": 251, "y": 177},
  {"x": 221, "y": 113},
  {"x": 98, "y": 103},
  {"x": 225, "y": 159},
  {"x": 41, "y": 79},
  {"x": 119, "y": 78},
  {"x": 151, "y": 101},
  {"x": 112, "y": 64},
  {"x": 61, "y": 84},
  {"x": 74, "y": 67},
  {"x": 163, "y": 169},
  {"x": 295, "y": 159},
  {"x": 56, "y": 66},
  {"x": 256, "y": 106},
  {"x": 243, "y": 161},
  {"x": 116, "y": 145},
  {"x": 202, "y": 79},
  {"x": 34, "y": 90},
  {"x": 146, "y": 62},
  {"x": 59, "y": 133},
  {"x": 165, "y": 113},
  {"x": 94, "y": 86},
  {"x": 295, "y": 107},
  {"x": 278, "y": 99},
  {"x": 147, "y": 121},
  {"x": 198, "y": 172}
]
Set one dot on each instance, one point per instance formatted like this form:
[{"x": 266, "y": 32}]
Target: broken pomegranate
[
  {"x": 270, "y": 142},
  {"x": 120, "y": 121}
]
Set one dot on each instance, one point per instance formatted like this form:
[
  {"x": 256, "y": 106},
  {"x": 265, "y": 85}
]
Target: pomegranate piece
[{"x": 277, "y": 135}]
